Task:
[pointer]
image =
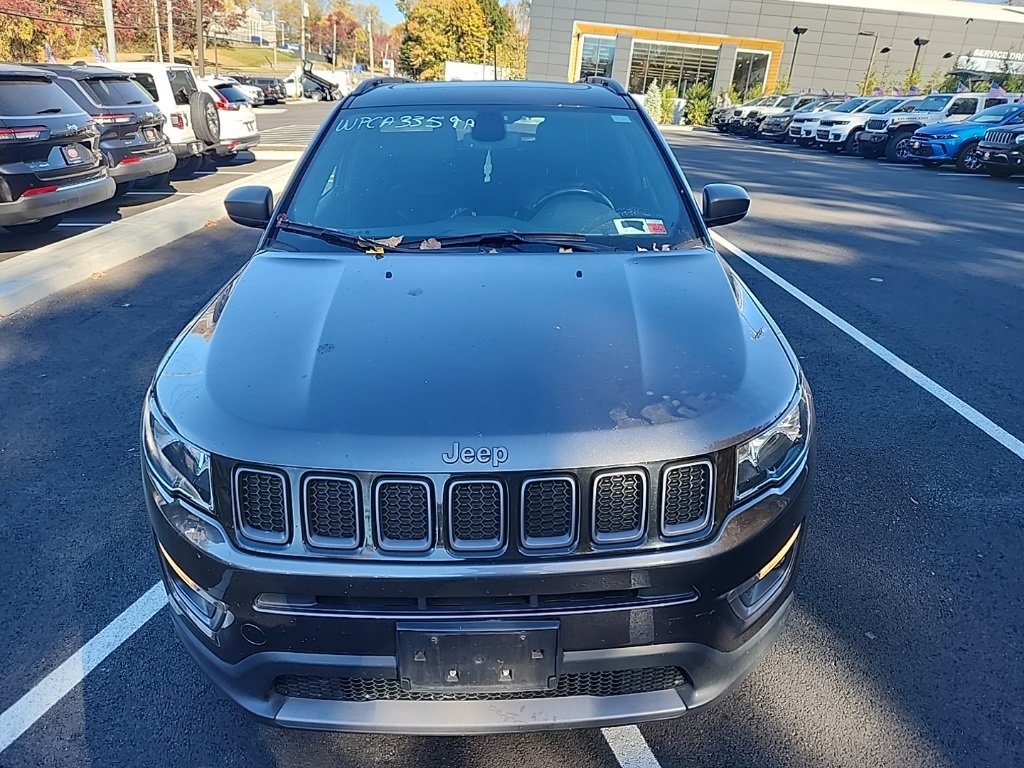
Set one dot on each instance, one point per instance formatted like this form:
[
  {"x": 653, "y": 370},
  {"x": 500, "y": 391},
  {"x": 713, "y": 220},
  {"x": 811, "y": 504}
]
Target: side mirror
[
  {"x": 724, "y": 204},
  {"x": 250, "y": 206}
]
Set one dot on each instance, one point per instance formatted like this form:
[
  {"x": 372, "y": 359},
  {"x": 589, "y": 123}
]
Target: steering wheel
[{"x": 593, "y": 194}]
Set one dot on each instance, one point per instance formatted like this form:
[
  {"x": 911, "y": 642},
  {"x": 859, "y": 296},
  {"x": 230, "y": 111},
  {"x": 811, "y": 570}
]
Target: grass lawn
[{"x": 234, "y": 59}]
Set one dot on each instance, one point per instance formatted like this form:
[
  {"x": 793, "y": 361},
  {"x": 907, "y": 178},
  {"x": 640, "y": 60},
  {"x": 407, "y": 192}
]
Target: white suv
[
  {"x": 890, "y": 135},
  {"x": 192, "y": 121},
  {"x": 804, "y": 128},
  {"x": 841, "y": 132},
  {"x": 238, "y": 129}
]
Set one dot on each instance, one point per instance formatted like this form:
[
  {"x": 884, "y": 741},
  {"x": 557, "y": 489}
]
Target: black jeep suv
[
  {"x": 130, "y": 124},
  {"x": 50, "y": 162},
  {"x": 485, "y": 436}
]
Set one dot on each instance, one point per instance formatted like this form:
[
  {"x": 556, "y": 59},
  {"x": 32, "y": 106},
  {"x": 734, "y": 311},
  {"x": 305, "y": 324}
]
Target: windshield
[
  {"x": 881, "y": 107},
  {"x": 110, "y": 91},
  {"x": 789, "y": 102},
  {"x": 934, "y": 104},
  {"x": 853, "y": 105},
  {"x": 232, "y": 94},
  {"x": 909, "y": 106},
  {"x": 34, "y": 97},
  {"x": 995, "y": 115},
  {"x": 455, "y": 171}
]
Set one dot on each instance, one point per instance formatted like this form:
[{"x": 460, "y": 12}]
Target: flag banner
[
  {"x": 996, "y": 90},
  {"x": 877, "y": 91},
  {"x": 50, "y": 58},
  {"x": 961, "y": 87},
  {"x": 914, "y": 91}
]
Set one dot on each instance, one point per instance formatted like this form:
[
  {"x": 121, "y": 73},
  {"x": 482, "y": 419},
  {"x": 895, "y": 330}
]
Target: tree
[
  {"x": 511, "y": 51},
  {"x": 498, "y": 21},
  {"x": 437, "y": 31}
]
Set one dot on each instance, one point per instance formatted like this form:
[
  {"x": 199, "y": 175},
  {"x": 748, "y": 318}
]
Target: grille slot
[
  {"x": 619, "y": 506},
  {"x": 876, "y": 124},
  {"x": 998, "y": 137},
  {"x": 403, "y": 513},
  {"x": 548, "y": 511},
  {"x": 686, "y": 498},
  {"x": 261, "y": 505},
  {"x": 332, "y": 511},
  {"x": 476, "y": 515},
  {"x": 616, "y": 682}
]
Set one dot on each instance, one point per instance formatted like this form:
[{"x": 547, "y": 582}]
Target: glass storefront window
[
  {"x": 598, "y": 55},
  {"x": 671, "y": 64},
  {"x": 750, "y": 71}
]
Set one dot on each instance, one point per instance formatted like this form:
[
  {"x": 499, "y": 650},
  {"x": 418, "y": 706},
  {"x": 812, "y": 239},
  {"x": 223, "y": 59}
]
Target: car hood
[
  {"x": 344, "y": 360},
  {"x": 961, "y": 128}
]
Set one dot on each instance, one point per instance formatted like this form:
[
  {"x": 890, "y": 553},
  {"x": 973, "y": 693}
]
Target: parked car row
[
  {"x": 72, "y": 136},
  {"x": 975, "y": 132}
]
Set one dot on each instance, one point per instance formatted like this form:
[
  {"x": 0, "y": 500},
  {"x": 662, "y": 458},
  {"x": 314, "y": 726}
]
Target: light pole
[
  {"x": 871, "y": 59},
  {"x": 798, "y": 31},
  {"x": 919, "y": 43}
]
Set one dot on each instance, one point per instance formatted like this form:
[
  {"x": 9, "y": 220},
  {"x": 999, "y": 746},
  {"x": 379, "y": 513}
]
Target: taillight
[
  {"x": 177, "y": 120},
  {"x": 224, "y": 104},
  {"x": 128, "y": 160},
  {"x": 33, "y": 191},
  {"x": 109, "y": 119},
  {"x": 26, "y": 133}
]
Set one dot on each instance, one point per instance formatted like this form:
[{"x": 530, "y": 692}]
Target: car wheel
[
  {"x": 36, "y": 227},
  {"x": 999, "y": 172},
  {"x": 204, "y": 117},
  {"x": 318, "y": 95},
  {"x": 898, "y": 148},
  {"x": 852, "y": 144},
  {"x": 968, "y": 159}
]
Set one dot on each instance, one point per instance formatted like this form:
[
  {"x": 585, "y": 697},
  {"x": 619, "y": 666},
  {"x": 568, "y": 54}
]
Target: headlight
[
  {"x": 1019, "y": 139},
  {"x": 946, "y": 136},
  {"x": 774, "y": 453},
  {"x": 840, "y": 122},
  {"x": 181, "y": 466}
]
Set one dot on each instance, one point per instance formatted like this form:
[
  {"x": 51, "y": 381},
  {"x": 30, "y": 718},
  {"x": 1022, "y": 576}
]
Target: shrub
[
  {"x": 652, "y": 102},
  {"x": 669, "y": 94},
  {"x": 700, "y": 104}
]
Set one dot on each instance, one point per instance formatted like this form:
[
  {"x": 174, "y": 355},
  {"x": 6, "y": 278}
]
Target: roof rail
[
  {"x": 607, "y": 82},
  {"x": 373, "y": 82}
]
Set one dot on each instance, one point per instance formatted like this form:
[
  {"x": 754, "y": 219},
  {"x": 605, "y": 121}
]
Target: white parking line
[
  {"x": 80, "y": 224},
  {"x": 629, "y": 747},
  {"x": 157, "y": 192},
  {"x": 223, "y": 173},
  {"x": 20, "y": 716},
  {"x": 968, "y": 412}
]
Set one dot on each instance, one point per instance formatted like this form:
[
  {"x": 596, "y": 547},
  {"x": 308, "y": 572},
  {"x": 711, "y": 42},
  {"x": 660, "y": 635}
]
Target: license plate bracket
[
  {"x": 477, "y": 657},
  {"x": 74, "y": 154},
  {"x": 149, "y": 134}
]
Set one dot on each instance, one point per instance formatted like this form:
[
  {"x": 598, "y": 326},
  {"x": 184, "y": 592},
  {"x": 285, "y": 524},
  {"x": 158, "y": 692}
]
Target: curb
[{"x": 32, "y": 276}]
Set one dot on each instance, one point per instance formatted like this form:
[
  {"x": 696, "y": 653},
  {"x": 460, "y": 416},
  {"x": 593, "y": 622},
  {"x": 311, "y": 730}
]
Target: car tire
[
  {"x": 852, "y": 144},
  {"x": 898, "y": 148},
  {"x": 36, "y": 227},
  {"x": 968, "y": 160},
  {"x": 318, "y": 95},
  {"x": 998, "y": 172},
  {"x": 204, "y": 117}
]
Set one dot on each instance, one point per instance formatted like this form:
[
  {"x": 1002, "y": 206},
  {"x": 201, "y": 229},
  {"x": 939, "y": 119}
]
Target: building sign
[
  {"x": 985, "y": 61},
  {"x": 984, "y": 53}
]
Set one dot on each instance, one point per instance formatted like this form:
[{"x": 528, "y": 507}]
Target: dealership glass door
[
  {"x": 750, "y": 71},
  {"x": 597, "y": 56},
  {"x": 671, "y": 64}
]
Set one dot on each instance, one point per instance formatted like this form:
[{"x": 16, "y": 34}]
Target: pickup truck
[{"x": 891, "y": 135}]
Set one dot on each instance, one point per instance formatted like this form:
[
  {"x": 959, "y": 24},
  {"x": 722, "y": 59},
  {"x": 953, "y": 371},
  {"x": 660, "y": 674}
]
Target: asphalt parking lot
[{"x": 905, "y": 645}]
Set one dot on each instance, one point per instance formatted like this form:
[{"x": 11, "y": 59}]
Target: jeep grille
[
  {"x": 686, "y": 498},
  {"x": 261, "y": 500},
  {"x": 332, "y": 512},
  {"x": 619, "y": 506},
  {"x": 403, "y": 514},
  {"x": 549, "y": 512},
  {"x": 876, "y": 125},
  {"x": 476, "y": 515},
  {"x": 998, "y": 137}
]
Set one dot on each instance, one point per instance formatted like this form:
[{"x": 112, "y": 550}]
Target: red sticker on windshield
[{"x": 656, "y": 227}]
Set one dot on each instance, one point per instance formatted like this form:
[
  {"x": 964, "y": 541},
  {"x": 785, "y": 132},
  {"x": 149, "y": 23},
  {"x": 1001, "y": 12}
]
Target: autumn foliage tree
[{"x": 437, "y": 31}]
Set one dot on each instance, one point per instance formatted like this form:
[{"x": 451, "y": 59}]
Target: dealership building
[{"x": 825, "y": 44}]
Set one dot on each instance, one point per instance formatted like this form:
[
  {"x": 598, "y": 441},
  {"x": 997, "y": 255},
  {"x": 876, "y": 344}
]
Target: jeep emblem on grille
[{"x": 495, "y": 456}]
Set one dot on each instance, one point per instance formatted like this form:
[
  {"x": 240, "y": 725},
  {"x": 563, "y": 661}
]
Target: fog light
[
  {"x": 755, "y": 594},
  {"x": 205, "y": 611}
]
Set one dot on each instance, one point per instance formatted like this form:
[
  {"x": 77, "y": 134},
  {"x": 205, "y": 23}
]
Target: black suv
[
  {"x": 130, "y": 124},
  {"x": 499, "y": 445},
  {"x": 273, "y": 87},
  {"x": 1002, "y": 151},
  {"x": 50, "y": 162}
]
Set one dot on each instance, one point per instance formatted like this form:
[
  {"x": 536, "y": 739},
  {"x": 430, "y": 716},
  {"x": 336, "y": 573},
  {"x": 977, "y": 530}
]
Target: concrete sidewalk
[{"x": 32, "y": 276}]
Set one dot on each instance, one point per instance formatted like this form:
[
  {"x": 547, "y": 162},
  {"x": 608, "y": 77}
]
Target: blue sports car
[{"x": 935, "y": 145}]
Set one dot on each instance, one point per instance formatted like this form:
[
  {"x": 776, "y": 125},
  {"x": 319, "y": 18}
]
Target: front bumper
[
  {"x": 67, "y": 198},
  {"x": 1001, "y": 157},
  {"x": 148, "y": 165},
  {"x": 674, "y": 608}
]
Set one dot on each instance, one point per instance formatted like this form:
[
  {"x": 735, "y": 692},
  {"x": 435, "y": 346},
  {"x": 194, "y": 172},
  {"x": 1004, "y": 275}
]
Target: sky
[{"x": 388, "y": 11}]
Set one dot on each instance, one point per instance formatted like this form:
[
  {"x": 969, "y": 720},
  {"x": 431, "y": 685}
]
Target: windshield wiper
[
  {"x": 570, "y": 240},
  {"x": 49, "y": 111},
  {"x": 134, "y": 101},
  {"x": 339, "y": 238}
]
